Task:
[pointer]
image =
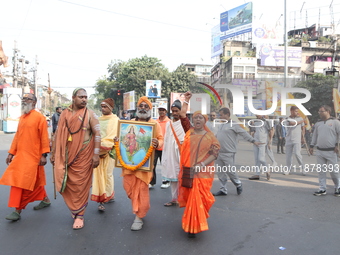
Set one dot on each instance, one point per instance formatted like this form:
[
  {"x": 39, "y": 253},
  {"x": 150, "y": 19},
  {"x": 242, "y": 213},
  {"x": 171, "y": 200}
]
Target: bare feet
[{"x": 78, "y": 223}]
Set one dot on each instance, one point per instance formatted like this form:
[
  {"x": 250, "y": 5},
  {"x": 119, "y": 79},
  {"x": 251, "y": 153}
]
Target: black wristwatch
[{"x": 44, "y": 155}]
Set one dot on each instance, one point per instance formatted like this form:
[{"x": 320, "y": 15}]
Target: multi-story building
[{"x": 202, "y": 71}]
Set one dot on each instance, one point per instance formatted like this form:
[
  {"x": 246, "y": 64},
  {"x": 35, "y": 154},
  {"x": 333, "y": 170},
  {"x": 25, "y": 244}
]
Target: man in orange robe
[
  {"x": 26, "y": 159},
  {"x": 136, "y": 183},
  {"x": 75, "y": 153}
]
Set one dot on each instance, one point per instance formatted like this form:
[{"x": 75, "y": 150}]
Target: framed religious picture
[{"x": 135, "y": 145}]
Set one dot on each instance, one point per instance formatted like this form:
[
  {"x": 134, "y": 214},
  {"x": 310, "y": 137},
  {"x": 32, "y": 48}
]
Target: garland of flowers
[{"x": 129, "y": 167}]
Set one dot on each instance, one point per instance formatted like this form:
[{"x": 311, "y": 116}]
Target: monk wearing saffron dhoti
[
  {"x": 136, "y": 182},
  {"x": 103, "y": 181},
  {"x": 198, "y": 152},
  {"x": 75, "y": 152},
  {"x": 26, "y": 159}
]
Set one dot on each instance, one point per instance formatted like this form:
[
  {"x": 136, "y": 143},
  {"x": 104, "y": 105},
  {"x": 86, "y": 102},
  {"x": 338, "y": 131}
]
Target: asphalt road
[{"x": 268, "y": 215}]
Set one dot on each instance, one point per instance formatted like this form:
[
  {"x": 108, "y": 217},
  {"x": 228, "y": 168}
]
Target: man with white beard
[
  {"x": 26, "y": 159},
  {"x": 136, "y": 183}
]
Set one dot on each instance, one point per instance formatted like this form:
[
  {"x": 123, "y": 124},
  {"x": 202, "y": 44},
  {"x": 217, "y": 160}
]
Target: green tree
[
  {"x": 181, "y": 80},
  {"x": 320, "y": 87},
  {"x": 104, "y": 89},
  {"x": 132, "y": 74}
]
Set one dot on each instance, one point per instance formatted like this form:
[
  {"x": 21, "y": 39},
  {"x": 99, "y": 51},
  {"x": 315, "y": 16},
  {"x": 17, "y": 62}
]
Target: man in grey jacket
[
  {"x": 225, "y": 163},
  {"x": 294, "y": 138},
  {"x": 326, "y": 137}
]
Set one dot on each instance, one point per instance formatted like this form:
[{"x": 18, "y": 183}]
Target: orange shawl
[{"x": 75, "y": 154}]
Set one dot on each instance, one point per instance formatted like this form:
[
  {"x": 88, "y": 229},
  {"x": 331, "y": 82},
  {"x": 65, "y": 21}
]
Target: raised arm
[{"x": 183, "y": 113}]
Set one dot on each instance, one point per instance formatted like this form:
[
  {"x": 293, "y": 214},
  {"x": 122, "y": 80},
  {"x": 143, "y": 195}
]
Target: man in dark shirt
[
  {"x": 125, "y": 116},
  {"x": 155, "y": 91},
  {"x": 55, "y": 118}
]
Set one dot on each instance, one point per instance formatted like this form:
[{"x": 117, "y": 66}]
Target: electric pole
[
  {"x": 15, "y": 65},
  {"x": 49, "y": 91},
  {"x": 35, "y": 78}
]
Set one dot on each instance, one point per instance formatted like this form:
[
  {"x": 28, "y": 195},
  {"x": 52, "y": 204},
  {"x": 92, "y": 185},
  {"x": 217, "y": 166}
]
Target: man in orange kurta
[
  {"x": 136, "y": 183},
  {"x": 75, "y": 153},
  {"x": 26, "y": 159}
]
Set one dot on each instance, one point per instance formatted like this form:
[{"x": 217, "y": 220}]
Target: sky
[{"x": 75, "y": 40}]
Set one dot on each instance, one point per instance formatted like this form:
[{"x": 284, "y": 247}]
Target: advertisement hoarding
[
  {"x": 267, "y": 33},
  {"x": 274, "y": 56},
  {"x": 129, "y": 103},
  {"x": 216, "y": 46},
  {"x": 153, "y": 88},
  {"x": 236, "y": 21}
]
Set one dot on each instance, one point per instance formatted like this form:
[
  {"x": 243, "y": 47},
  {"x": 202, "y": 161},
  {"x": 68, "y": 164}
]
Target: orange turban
[
  {"x": 205, "y": 116},
  {"x": 199, "y": 112},
  {"x": 146, "y": 100}
]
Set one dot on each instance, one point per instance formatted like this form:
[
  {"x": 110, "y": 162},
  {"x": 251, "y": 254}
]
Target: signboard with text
[{"x": 274, "y": 56}]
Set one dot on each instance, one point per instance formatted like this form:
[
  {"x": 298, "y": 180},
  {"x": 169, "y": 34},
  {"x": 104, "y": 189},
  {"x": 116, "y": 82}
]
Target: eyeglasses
[
  {"x": 321, "y": 111},
  {"x": 27, "y": 98},
  {"x": 144, "y": 106}
]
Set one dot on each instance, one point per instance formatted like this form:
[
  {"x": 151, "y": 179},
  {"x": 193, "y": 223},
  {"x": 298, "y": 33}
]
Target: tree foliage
[
  {"x": 132, "y": 75},
  {"x": 320, "y": 87},
  {"x": 181, "y": 80}
]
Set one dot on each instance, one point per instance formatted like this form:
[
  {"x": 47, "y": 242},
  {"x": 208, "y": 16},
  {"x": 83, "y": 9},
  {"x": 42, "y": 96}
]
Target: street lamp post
[{"x": 49, "y": 91}]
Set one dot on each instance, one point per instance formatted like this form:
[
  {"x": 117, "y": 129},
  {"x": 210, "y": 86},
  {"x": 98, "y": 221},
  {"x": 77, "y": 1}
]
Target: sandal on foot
[
  {"x": 171, "y": 203},
  {"x": 13, "y": 216},
  {"x": 78, "y": 223},
  {"x": 137, "y": 225},
  {"x": 101, "y": 208},
  {"x": 41, "y": 205}
]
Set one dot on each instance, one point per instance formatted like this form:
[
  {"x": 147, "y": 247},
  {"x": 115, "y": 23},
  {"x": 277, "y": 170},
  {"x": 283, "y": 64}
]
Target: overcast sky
[{"x": 75, "y": 40}]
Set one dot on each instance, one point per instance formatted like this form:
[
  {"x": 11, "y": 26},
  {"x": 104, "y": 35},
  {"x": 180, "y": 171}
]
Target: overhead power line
[
  {"x": 23, "y": 24},
  {"x": 134, "y": 17}
]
